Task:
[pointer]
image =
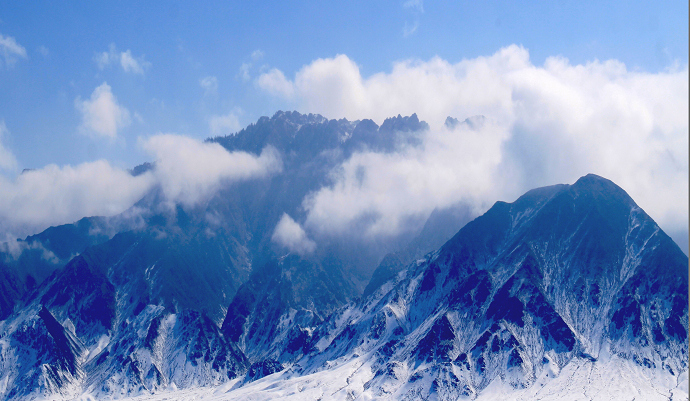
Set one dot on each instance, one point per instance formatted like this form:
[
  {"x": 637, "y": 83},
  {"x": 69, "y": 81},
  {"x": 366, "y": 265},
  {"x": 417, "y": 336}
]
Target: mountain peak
[
  {"x": 297, "y": 118},
  {"x": 472, "y": 122},
  {"x": 403, "y": 124},
  {"x": 595, "y": 183}
]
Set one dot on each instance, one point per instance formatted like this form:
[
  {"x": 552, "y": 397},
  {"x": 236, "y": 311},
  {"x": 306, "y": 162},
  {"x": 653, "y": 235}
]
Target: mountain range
[{"x": 571, "y": 291}]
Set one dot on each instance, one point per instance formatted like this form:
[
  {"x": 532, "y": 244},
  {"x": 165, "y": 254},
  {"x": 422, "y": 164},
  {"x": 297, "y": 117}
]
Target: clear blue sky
[{"x": 185, "y": 42}]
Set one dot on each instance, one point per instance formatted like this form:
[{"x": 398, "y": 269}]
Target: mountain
[
  {"x": 571, "y": 289},
  {"x": 121, "y": 285}
]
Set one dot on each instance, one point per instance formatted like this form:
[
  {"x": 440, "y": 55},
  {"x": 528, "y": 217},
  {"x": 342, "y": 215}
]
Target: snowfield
[{"x": 612, "y": 379}]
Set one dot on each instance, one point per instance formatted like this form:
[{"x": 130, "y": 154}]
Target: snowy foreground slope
[
  {"x": 580, "y": 380},
  {"x": 570, "y": 293}
]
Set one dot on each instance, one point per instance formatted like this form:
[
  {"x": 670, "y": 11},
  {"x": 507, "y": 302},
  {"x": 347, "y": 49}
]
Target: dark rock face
[
  {"x": 273, "y": 314},
  {"x": 52, "y": 356},
  {"x": 10, "y": 290},
  {"x": 68, "y": 348},
  {"x": 263, "y": 369},
  {"x": 27, "y": 263},
  {"x": 83, "y": 291}
]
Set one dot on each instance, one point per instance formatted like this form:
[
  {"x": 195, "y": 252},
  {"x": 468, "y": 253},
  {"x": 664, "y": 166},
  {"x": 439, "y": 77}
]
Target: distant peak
[
  {"x": 590, "y": 178},
  {"x": 451, "y": 122},
  {"x": 472, "y": 122},
  {"x": 298, "y": 118},
  {"x": 403, "y": 124}
]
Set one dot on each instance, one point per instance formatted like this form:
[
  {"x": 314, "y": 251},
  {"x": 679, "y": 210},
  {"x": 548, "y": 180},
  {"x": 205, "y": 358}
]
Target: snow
[{"x": 615, "y": 379}]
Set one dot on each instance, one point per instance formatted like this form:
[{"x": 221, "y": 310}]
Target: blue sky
[
  {"x": 90, "y": 90},
  {"x": 185, "y": 42}
]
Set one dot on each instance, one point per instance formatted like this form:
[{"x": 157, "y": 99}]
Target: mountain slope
[
  {"x": 111, "y": 281},
  {"x": 565, "y": 276},
  {"x": 570, "y": 292}
]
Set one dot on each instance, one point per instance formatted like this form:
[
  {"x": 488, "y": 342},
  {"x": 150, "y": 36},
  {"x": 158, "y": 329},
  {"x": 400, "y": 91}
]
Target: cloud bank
[
  {"x": 384, "y": 192},
  {"x": 102, "y": 115},
  {"x": 53, "y": 195},
  {"x": 545, "y": 125},
  {"x": 187, "y": 171}
]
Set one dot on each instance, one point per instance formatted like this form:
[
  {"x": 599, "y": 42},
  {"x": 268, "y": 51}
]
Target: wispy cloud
[
  {"x": 257, "y": 55},
  {"x": 245, "y": 69},
  {"x": 7, "y": 159},
  {"x": 209, "y": 84},
  {"x": 102, "y": 115},
  {"x": 417, "y": 8},
  {"x": 545, "y": 124},
  {"x": 10, "y": 50},
  {"x": 224, "y": 124},
  {"x": 409, "y": 30},
  {"x": 417, "y": 5},
  {"x": 43, "y": 51},
  {"x": 129, "y": 63},
  {"x": 244, "y": 72}
]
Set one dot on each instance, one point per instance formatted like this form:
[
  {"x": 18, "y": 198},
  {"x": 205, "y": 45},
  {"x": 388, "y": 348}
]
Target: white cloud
[
  {"x": 275, "y": 83},
  {"x": 102, "y": 115},
  {"x": 55, "y": 195},
  {"x": 385, "y": 192},
  {"x": 290, "y": 234},
  {"x": 10, "y": 50},
  {"x": 7, "y": 159},
  {"x": 224, "y": 125},
  {"x": 129, "y": 63},
  {"x": 546, "y": 124},
  {"x": 209, "y": 84},
  {"x": 189, "y": 171},
  {"x": 434, "y": 90}
]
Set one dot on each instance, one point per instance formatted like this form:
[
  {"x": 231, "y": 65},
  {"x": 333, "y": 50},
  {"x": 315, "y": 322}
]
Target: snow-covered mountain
[
  {"x": 570, "y": 290},
  {"x": 109, "y": 281}
]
